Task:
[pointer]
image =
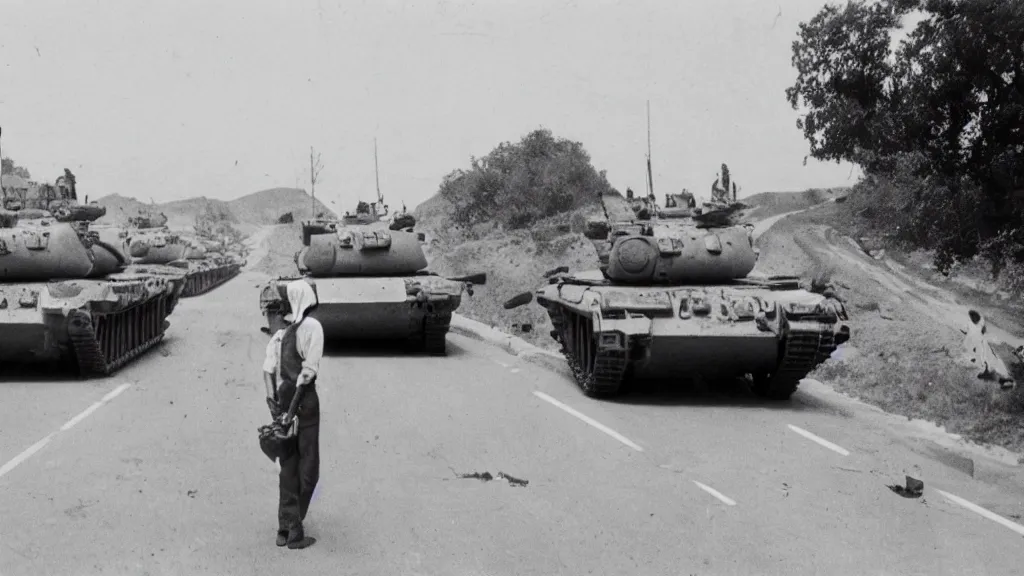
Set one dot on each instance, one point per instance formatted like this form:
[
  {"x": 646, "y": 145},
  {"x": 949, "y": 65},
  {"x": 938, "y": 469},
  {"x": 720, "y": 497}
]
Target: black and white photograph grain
[{"x": 512, "y": 287}]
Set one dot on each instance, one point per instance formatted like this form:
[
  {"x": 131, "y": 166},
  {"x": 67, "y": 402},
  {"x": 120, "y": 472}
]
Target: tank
[
  {"x": 675, "y": 297},
  {"x": 66, "y": 298},
  {"x": 150, "y": 247},
  {"x": 369, "y": 278}
]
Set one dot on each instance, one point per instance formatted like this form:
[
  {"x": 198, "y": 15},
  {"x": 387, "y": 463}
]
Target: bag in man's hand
[{"x": 277, "y": 441}]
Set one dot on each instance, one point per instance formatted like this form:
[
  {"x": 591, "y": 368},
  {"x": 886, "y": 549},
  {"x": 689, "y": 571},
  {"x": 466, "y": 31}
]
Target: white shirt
[{"x": 309, "y": 339}]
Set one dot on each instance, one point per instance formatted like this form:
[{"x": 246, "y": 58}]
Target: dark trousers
[{"x": 300, "y": 472}]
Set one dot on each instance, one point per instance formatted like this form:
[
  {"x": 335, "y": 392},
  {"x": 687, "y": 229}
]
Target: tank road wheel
[{"x": 599, "y": 374}]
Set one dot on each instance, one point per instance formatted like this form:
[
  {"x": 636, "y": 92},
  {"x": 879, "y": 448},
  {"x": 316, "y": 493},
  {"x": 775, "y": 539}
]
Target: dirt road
[{"x": 157, "y": 471}]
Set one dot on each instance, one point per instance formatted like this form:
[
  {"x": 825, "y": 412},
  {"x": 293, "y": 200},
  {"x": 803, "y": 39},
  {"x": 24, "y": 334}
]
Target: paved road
[{"x": 164, "y": 476}]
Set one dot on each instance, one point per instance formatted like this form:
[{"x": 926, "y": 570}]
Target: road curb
[
  {"x": 511, "y": 344},
  {"x": 933, "y": 442}
]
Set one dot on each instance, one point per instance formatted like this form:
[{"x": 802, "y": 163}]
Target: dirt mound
[
  {"x": 514, "y": 263},
  {"x": 281, "y": 242}
]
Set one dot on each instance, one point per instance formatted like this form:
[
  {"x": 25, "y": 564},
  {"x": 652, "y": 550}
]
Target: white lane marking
[
  {"x": 81, "y": 416},
  {"x": 502, "y": 364},
  {"x": 109, "y": 396},
  {"x": 979, "y": 510},
  {"x": 715, "y": 493},
  {"x": 115, "y": 392},
  {"x": 14, "y": 462},
  {"x": 26, "y": 454},
  {"x": 819, "y": 440},
  {"x": 589, "y": 420},
  {"x": 514, "y": 370}
]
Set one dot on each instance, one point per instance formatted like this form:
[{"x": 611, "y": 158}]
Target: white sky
[{"x": 169, "y": 99}]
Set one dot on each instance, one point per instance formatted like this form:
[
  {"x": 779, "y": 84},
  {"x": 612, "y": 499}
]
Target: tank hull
[
  {"x": 159, "y": 251},
  {"x": 97, "y": 326},
  {"x": 413, "y": 309},
  {"x": 614, "y": 334}
]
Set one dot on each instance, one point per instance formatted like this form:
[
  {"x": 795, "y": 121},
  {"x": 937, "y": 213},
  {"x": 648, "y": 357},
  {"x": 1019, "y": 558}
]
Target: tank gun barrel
[{"x": 480, "y": 279}]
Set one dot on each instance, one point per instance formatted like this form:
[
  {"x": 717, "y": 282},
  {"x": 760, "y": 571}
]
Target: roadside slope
[{"x": 906, "y": 351}]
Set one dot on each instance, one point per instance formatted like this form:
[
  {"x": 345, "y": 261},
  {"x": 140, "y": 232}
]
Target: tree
[
  {"x": 946, "y": 107},
  {"x": 7, "y": 166},
  {"x": 518, "y": 184}
]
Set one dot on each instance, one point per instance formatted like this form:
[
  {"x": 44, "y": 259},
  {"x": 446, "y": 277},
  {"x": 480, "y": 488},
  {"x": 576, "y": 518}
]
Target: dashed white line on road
[
  {"x": 502, "y": 364},
  {"x": 25, "y": 455},
  {"x": 819, "y": 440},
  {"x": 983, "y": 512},
  {"x": 589, "y": 420},
  {"x": 81, "y": 416},
  {"x": 115, "y": 392},
  {"x": 14, "y": 462},
  {"x": 715, "y": 493},
  {"x": 514, "y": 370}
]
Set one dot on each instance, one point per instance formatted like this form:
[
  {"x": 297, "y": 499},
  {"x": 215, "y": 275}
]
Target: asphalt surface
[{"x": 165, "y": 476}]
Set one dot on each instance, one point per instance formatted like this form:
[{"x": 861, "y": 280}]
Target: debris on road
[
  {"x": 913, "y": 489},
  {"x": 486, "y": 477},
  {"x": 513, "y": 480}
]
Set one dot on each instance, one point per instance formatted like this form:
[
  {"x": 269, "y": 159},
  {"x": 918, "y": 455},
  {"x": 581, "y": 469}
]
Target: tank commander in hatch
[{"x": 290, "y": 372}]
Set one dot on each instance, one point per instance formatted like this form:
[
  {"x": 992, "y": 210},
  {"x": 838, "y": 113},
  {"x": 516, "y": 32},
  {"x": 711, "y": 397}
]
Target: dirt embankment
[
  {"x": 906, "y": 353},
  {"x": 279, "y": 243},
  {"x": 515, "y": 262}
]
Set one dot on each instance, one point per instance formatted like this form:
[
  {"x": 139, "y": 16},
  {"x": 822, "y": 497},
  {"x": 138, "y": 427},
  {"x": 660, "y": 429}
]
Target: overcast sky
[{"x": 171, "y": 99}]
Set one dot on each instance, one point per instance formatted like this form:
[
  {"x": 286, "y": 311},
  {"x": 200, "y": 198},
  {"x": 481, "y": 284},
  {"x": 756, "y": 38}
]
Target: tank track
[
  {"x": 206, "y": 280},
  {"x": 104, "y": 342},
  {"x": 435, "y": 332},
  {"x": 803, "y": 350},
  {"x": 598, "y": 373}
]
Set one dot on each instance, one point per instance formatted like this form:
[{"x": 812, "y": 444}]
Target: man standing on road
[{"x": 290, "y": 371}]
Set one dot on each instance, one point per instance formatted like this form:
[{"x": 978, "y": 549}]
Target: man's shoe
[
  {"x": 282, "y": 538},
  {"x": 300, "y": 544}
]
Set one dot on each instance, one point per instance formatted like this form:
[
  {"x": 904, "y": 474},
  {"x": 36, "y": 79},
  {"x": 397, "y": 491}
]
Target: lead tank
[
  {"x": 369, "y": 278},
  {"x": 150, "y": 247},
  {"x": 675, "y": 297},
  {"x": 65, "y": 298}
]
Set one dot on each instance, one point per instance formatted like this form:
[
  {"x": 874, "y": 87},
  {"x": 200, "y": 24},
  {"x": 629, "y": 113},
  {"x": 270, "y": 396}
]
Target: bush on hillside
[
  {"x": 517, "y": 185},
  {"x": 286, "y": 218},
  {"x": 215, "y": 222}
]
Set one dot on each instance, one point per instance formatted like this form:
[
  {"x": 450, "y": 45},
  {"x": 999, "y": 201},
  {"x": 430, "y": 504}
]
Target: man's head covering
[{"x": 301, "y": 298}]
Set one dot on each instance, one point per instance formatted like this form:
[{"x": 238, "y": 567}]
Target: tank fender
[
  {"x": 625, "y": 327},
  {"x": 572, "y": 293},
  {"x": 62, "y": 297}
]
